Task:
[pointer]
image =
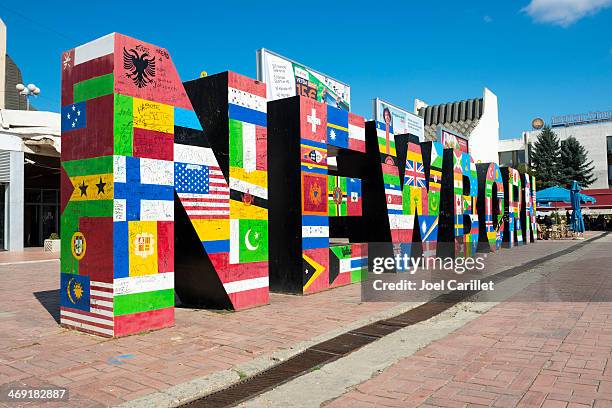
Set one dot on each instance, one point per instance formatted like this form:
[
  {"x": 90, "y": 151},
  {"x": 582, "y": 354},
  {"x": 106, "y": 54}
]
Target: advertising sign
[
  {"x": 401, "y": 121},
  {"x": 284, "y": 78},
  {"x": 452, "y": 140}
]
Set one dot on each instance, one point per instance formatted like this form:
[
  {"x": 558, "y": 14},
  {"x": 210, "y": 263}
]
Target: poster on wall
[
  {"x": 401, "y": 121},
  {"x": 452, "y": 140},
  {"x": 285, "y": 77}
]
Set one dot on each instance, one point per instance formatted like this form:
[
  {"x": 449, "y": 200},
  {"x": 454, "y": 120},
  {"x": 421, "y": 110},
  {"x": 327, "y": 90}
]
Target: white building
[
  {"x": 476, "y": 119},
  {"x": 29, "y": 163},
  {"x": 29, "y": 177},
  {"x": 592, "y": 130}
]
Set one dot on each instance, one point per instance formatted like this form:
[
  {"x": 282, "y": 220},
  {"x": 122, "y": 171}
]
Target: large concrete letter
[
  {"x": 221, "y": 181},
  {"x": 513, "y": 234},
  {"x": 309, "y": 197},
  {"x": 120, "y": 98},
  {"x": 491, "y": 205}
]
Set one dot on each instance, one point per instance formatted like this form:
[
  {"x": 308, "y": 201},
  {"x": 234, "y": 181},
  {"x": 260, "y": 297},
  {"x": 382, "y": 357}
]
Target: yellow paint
[
  {"x": 92, "y": 191},
  {"x": 318, "y": 270},
  {"x": 257, "y": 177},
  {"x": 142, "y": 245},
  {"x": 212, "y": 230},
  {"x": 383, "y": 149},
  {"x": 153, "y": 116},
  {"x": 416, "y": 200},
  {"x": 414, "y": 156},
  {"x": 78, "y": 256},
  {"x": 331, "y": 125},
  {"x": 239, "y": 210}
]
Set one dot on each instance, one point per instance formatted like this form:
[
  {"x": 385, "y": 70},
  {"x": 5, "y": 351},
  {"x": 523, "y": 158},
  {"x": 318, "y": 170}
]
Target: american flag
[
  {"x": 203, "y": 190},
  {"x": 415, "y": 175},
  {"x": 100, "y": 318}
]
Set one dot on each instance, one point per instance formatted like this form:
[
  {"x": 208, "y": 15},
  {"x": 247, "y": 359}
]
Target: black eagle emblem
[{"x": 142, "y": 69}]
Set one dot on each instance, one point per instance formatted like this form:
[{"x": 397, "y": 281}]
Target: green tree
[
  {"x": 525, "y": 168},
  {"x": 574, "y": 165},
  {"x": 545, "y": 159}
]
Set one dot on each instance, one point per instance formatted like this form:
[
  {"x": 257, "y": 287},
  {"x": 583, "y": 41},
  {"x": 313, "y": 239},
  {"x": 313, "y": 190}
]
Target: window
[
  {"x": 511, "y": 158},
  {"x": 505, "y": 158}
]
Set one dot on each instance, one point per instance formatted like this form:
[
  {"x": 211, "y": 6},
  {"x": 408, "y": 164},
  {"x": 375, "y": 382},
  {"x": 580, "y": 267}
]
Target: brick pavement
[
  {"x": 27, "y": 255},
  {"x": 525, "y": 354},
  {"x": 34, "y": 350}
]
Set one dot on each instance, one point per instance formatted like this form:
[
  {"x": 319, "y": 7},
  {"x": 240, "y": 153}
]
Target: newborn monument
[{"x": 168, "y": 191}]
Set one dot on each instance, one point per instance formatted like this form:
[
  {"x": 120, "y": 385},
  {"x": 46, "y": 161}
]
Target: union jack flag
[{"x": 415, "y": 174}]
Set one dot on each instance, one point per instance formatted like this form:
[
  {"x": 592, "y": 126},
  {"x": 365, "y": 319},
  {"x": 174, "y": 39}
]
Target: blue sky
[{"x": 541, "y": 57}]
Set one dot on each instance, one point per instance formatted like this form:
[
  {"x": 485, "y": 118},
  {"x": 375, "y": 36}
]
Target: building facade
[
  {"x": 476, "y": 119},
  {"x": 593, "y": 130},
  {"x": 29, "y": 163}
]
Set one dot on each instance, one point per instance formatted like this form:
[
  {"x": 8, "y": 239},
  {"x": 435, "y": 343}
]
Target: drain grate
[
  {"x": 346, "y": 343},
  {"x": 259, "y": 383},
  {"x": 377, "y": 329}
]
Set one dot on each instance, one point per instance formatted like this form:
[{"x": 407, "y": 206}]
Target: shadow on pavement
[{"x": 50, "y": 300}]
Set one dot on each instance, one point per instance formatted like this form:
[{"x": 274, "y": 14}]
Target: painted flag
[
  {"x": 199, "y": 183},
  {"x": 433, "y": 202},
  {"x": 414, "y": 198},
  {"x": 87, "y": 70},
  {"x": 435, "y": 179},
  {"x": 248, "y": 241},
  {"x": 339, "y": 265},
  {"x": 315, "y": 267},
  {"x": 437, "y": 151},
  {"x": 356, "y": 132},
  {"x": 359, "y": 262},
  {"x": 386, "y": 139},
  {"x": 247, "y": 146},
  {"x": 337, "y": 127},
  {"x": 313, "y": 156},
  {"x": 144, "y": 189},
  {"x": 315, "y": 232},
  {"x": 313, "y": 120},
  {"x": 393, "y": 197},
  {"x": 429, "y": 227},
  {"x": 201, "y": 199},
  {"x": 314, "y": 194},
  {"x": 354, "y": 200},
  {"x": 86, "y": 304},
  {"x": 401, "y": 227},
  {"x": 74, "y": 116},
  {"x": 347, "y": 264},
  {"x": 337, "y": 196},
  {"x": 415, "y": 174}
]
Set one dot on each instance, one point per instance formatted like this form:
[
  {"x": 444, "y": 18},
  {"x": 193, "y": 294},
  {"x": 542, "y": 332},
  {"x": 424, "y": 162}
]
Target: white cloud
[
  {"x": 488, "y": 19},
  {"x": 564, "y": 12}
]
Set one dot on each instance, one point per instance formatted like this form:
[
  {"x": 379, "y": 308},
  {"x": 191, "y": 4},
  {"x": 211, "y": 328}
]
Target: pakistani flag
[{"x": 249, "y": 241}]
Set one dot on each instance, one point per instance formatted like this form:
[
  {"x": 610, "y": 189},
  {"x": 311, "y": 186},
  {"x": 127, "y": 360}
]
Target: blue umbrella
[
  {"x": 577, "y": 221},
  {"x": 559, "y": 194}
]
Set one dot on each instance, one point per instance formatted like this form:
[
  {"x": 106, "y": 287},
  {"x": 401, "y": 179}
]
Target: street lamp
[{"x": 27, "y": 91}]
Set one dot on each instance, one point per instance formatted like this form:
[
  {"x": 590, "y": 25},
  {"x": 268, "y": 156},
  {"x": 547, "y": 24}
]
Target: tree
[
  {"x": 524, "y": 168},
  {"x": 545, "y": 159},
  {"x": 574, "y": 164}
]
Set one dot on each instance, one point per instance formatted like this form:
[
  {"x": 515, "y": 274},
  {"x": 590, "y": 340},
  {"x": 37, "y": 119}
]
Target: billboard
[
  {"x": 285, "y": 77},
  {"x": 451, "y": 140},
  {"x": 400, "y": 120}
]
